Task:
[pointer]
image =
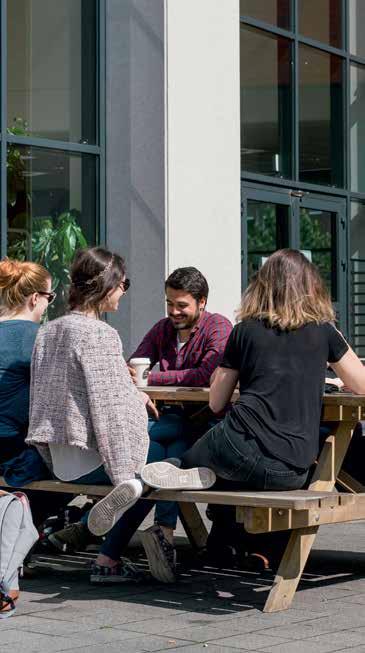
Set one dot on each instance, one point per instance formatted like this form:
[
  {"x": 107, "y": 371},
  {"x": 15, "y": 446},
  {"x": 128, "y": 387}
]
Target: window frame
[
  {"x": 347, "y": 59},
  {"x": 97, "y": 150}
]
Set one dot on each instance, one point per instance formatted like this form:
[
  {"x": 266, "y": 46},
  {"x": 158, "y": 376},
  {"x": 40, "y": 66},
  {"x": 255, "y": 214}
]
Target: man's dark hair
[{"x": 190, "y": 280}]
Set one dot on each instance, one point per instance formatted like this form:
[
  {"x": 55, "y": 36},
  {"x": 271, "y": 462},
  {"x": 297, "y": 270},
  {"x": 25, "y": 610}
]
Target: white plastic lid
[{"x": 140, "y": 361}]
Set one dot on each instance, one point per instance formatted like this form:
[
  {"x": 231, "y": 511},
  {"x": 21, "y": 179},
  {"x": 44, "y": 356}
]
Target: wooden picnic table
[
  {"x": 341, "y": 411},
  {"x": 301, "y": 511}
]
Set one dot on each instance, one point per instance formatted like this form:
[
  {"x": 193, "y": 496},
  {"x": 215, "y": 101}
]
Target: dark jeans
[
  {"x": 240, "y": 463},
  {"x": 43, "y": 504},
  {"x": 169, "y": 438},
  {"x": 10, "y": 448}
]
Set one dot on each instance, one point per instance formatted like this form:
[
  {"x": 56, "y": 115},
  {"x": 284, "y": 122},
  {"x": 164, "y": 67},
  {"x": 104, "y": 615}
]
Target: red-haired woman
[{"x": 25, "y": 292}]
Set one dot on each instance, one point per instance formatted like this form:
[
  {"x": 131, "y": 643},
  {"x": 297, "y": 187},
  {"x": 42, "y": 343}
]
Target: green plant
[
  {"x": 49, "y": 240},
  {"x": 14, "y": 164},
  {"x": 54, "y": 243}
]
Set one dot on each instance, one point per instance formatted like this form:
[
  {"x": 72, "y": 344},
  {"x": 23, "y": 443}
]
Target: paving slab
[{"x": 210, "y": 609}]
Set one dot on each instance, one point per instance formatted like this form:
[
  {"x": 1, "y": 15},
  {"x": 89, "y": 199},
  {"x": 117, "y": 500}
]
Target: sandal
[{"x": 7, "y": 605}]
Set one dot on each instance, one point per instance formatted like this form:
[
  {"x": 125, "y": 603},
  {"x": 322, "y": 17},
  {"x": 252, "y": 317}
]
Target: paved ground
[{"x": 209, "y": 609}]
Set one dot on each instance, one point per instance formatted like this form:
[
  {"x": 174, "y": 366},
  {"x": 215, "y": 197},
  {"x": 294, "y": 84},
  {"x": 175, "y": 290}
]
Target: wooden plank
[
  {"x": 193, "y": 525},
  {"x": 181, "y": 394},
  {"x": 301, "y": 540},
  {"x": 342, "y": 413},
  {"x": 325, "y": 470},
  {"x": 67, "y": 488},
  {"x": 290, "y": 569},
  {"x": 344, "y": 399},
  {"x": 297, "y": 500},
  {"x": 348, "y": 483},
  {"x": 262, "y": 520}
]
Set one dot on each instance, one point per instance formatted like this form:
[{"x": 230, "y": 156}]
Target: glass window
[
  {"x": 52, "y": 69},
  {"x": 267, "y": 231},
  {"x": 321, "y": 20},
  {"x": 357, "y": 277},
  {"x": 357, "y": 127},
  {"x": 52, "y": 209},
  {"x": 276, "y": 12},
  {"x": 356, "y": 27},
  {"x": 318, "y": 243},
  {"x": 265, "y": 103},
  {"x": 321, "y": 117}
]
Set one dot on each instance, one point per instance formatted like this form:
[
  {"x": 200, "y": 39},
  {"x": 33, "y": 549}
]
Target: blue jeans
[{"x": 169, "y": 438}]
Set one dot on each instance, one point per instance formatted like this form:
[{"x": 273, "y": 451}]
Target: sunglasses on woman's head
[
  {"x": 51, "y": 296},
  {"x": 124, "y": 285}
]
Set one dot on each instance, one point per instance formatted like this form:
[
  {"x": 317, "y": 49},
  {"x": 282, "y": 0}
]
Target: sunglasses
[
  {"x": 51, "y": 296},
  {"x": 124, "y": 285}
]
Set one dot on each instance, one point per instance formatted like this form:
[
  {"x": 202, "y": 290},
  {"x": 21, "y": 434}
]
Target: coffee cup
[{"x": 142, "y": 367}]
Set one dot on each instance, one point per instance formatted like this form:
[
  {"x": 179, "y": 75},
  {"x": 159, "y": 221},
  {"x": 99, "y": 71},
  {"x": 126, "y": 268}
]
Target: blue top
[{"x": 16, "y": 345}]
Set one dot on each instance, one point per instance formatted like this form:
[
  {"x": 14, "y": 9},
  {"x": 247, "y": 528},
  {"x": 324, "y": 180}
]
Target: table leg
[
  {"x": 193, "y": 525},
  {"x": 349, "y": 484},
  {"x": 301, "y": 540},
  {"x": 290, "y": 569}
]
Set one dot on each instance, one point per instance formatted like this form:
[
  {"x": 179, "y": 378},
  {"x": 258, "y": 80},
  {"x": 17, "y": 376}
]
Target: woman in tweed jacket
[{"x": 87, "y": 418}]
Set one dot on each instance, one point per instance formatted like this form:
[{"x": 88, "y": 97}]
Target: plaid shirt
[{"x": 196, "y": 360}]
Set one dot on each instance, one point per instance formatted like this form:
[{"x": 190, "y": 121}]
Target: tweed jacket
[{"x": 82, "y": 395}]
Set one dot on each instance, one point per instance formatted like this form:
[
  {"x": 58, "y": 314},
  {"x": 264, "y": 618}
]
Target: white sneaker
[
  {"x": 106, "y": 512},
  {"x": 161, "y": 555},
  {"x": 165, "y": 476}
]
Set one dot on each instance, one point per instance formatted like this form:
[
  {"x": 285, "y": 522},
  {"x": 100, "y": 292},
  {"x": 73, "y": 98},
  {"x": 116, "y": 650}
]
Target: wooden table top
[{"x": 201, "y": 395}]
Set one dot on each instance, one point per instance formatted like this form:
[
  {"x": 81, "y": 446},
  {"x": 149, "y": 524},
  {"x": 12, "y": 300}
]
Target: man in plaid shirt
[{"x": 189, "y": 343}]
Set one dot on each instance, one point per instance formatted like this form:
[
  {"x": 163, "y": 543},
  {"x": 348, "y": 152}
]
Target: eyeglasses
[
  {"x": 51, "y": 296},
  {"x": 124, "y": 285}
]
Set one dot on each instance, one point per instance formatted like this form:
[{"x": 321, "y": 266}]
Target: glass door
[
  {"x": 266, "y": 223},
  {"x": 273, "y": 219},
  {"x": 322, "y": 239}
]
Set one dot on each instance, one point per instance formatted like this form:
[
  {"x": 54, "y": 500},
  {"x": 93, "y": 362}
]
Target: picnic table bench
[{"x": 301, "y": 511}]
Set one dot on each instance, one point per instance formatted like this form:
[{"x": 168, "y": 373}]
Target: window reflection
[
  {"x": 52, "y": 209},
  {"x": 265, "y": 103},
  {"x": 321, "y": 20},
  {"x": 276, "y": 12},
  {"x": 52, "y": 68},
  {"x": 318, "y": 242},
  {"x": 356, "y": 27},
  {"x": 321, "y": 117},
  {"x": 357, "y": 277},
  {"x": 267, "y": 231},
  {"x": 357, "y": 127}
]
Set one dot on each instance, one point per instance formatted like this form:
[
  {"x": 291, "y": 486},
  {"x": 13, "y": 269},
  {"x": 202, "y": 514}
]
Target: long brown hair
[
  {"x": 19, "y": 280},
  {"x": 94, "y": 272},
  {"x": 287, "y": 292}
]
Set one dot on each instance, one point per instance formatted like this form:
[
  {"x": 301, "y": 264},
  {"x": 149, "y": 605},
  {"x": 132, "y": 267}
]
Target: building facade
[{"x": 186, "y": 132}]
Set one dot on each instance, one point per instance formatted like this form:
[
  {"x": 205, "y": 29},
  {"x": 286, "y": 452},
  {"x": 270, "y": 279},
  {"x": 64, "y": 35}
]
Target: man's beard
[{"x": 188, "y": 324}]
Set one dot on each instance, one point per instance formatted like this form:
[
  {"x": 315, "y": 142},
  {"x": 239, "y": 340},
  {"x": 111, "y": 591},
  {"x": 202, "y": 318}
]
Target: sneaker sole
[
  {"x": 159, "y": 567},
  {"x": 103, "y": 515},
  {"x": 168, "y": 477}
]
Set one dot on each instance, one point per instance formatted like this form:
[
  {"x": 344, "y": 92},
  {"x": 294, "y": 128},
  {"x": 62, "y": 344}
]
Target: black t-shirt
[{"x": 281, "y": 375}]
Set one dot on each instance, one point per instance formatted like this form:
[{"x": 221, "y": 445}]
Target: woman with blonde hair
[{"x": 278, "y": 352}]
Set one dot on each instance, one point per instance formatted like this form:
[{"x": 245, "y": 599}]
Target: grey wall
[{"x": 135, "y": 166}]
